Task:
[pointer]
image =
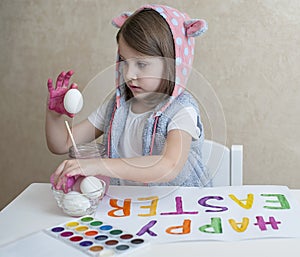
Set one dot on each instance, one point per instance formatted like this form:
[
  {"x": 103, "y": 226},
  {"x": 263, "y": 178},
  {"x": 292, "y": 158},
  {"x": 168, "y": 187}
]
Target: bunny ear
[
  {"x": 119, "y": 21},
  {"x": 195, "y": 27}
]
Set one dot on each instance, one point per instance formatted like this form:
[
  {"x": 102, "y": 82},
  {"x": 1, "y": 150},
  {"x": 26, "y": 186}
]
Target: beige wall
[{"x": 250, "y": 58}]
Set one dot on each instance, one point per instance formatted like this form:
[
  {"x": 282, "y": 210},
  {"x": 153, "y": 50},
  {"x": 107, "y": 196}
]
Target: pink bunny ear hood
[{"x": 183, "y": 30}]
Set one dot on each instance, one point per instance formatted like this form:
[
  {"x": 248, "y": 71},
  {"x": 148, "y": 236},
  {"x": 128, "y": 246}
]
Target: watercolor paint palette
[{"x": 96, "y": 238}]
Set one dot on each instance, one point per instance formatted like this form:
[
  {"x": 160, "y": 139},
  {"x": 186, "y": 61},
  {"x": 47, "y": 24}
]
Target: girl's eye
[
  {"x": 141, "y": 65},
  {"x": 122, "y": 60}
]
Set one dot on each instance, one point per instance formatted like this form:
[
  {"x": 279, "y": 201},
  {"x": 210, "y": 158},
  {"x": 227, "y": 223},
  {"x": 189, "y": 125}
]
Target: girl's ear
[
  {"x": 119, "y": 21},
  {"x": 195, "y": 27}
]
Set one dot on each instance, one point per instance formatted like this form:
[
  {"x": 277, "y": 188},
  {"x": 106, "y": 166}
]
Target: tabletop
[{"x": 38, "y": 210}]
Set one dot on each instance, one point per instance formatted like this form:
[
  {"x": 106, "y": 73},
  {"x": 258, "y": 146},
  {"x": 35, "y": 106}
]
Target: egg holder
[{"x": 78, "y": 204}]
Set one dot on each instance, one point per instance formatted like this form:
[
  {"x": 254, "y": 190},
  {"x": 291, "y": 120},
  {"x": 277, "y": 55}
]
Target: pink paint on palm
[
  {"x": 57, "y": 94},
  {"x": 70, "y": 182}
]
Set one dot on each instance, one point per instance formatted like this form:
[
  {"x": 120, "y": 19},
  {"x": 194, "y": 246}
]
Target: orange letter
[
  {"x": 243, "y": 225},
  {"x": 125, "y": 208},
  {"x": 152, "y": 206},
  {"x": 248, "y": 202},
  {"x": 185, "y": 228}
]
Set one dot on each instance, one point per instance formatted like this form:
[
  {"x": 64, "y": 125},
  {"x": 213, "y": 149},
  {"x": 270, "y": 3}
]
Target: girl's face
[{"x": 142, "y": 73}]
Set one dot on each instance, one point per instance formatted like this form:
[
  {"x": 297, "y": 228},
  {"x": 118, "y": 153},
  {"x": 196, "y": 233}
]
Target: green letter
[
  {"x": 215, "y": 227},
  {"x": 281, "y": 199}
]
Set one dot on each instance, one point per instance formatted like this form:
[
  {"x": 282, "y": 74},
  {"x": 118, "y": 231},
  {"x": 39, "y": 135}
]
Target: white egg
[
  {"x": 91, "y": 184},
  {"x": 73, "y": 101},
  {"x": 75, "y": 204}
]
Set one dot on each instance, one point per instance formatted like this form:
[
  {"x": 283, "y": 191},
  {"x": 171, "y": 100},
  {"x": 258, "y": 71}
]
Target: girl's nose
[{"x": 130, "y": 71}]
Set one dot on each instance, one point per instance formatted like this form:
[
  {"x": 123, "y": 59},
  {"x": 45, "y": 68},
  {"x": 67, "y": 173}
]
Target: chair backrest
[{"x": 225, "y": 165}]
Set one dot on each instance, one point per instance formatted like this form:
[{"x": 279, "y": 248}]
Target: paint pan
[{"x": 95, "y": 237}]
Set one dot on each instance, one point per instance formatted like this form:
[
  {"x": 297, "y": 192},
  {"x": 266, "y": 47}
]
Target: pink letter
[{"x": 262, "y": 224}]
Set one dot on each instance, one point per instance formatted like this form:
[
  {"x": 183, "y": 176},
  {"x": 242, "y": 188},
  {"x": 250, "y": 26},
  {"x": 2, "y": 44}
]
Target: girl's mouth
[{"x": 133, "y": 87}]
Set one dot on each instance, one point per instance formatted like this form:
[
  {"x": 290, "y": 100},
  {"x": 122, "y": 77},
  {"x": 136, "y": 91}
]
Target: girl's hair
[{"x": 148, "y": 33}]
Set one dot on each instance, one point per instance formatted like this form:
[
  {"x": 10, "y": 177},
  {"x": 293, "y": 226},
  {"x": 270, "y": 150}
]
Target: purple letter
[
  {"x": 203, "y": 201},
  {"x": 146, "y": 228},
  {"x": 179, "y": 209}
]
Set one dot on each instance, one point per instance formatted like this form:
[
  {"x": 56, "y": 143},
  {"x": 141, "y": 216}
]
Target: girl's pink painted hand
[
  {"x": 69, "y": 174},
  {"x": 68, "y": 170},
  {"x": 57, "y": 94},
  {"x": 68, "y": 186}
]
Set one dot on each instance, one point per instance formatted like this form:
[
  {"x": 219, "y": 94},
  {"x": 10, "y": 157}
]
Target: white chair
[{"x": 225, "y": 165}]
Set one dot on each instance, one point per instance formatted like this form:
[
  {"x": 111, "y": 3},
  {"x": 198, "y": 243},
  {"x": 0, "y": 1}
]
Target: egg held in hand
[{"x": 73, "y": 101}]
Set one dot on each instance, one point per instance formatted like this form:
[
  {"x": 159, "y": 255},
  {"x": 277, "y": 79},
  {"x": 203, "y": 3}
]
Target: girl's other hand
[
  {"x": 70, "y": 182},
  {"x": 57, "y": 94},
  {"x": 70, "y": 169}
]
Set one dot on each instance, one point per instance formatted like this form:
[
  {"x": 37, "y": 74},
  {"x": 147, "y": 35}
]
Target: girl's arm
[
  {"x": 158, "y": 168},
  {"x": 57, "y": 136},
  {"x": 58, "y": 139}
]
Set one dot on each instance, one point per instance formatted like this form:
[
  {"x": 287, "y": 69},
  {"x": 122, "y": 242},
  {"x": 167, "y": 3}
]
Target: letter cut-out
[
  {"x": 185, "y": 228},
  {"x": 214, "y": 228},
  {"x": 244, "y": 203},
  {"x": 239, "y": 226},
  {"x": 261, "y": 223},
  {"x": 179, "y": 208},
  {"x": 125, "y": 209},
  {"x": 152, "y": 207},
  {"x": 146, "y": 229},
  {"x": 281, "y": 199},
  {"x": 203, "y": 201}
]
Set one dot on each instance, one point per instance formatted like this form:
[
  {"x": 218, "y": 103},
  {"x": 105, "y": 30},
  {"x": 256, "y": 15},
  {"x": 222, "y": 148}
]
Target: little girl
[{"x": 151, "y": 127}]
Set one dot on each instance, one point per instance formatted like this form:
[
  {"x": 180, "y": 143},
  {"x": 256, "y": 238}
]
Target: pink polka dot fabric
[
  {"x": 183, "y": 29},
  {"x": 184, "y": 46}
]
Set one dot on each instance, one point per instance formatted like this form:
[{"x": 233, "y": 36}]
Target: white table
[{"x": 37, "y": 205}]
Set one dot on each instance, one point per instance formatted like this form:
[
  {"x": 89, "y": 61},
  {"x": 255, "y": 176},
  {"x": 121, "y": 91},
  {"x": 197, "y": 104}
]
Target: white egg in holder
[
  {"x": 84, "y": 201},
  {"x": 73, "y": 101},
  {"x": 92, "y": 185},
  {"x": 75, "y": 204}
]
